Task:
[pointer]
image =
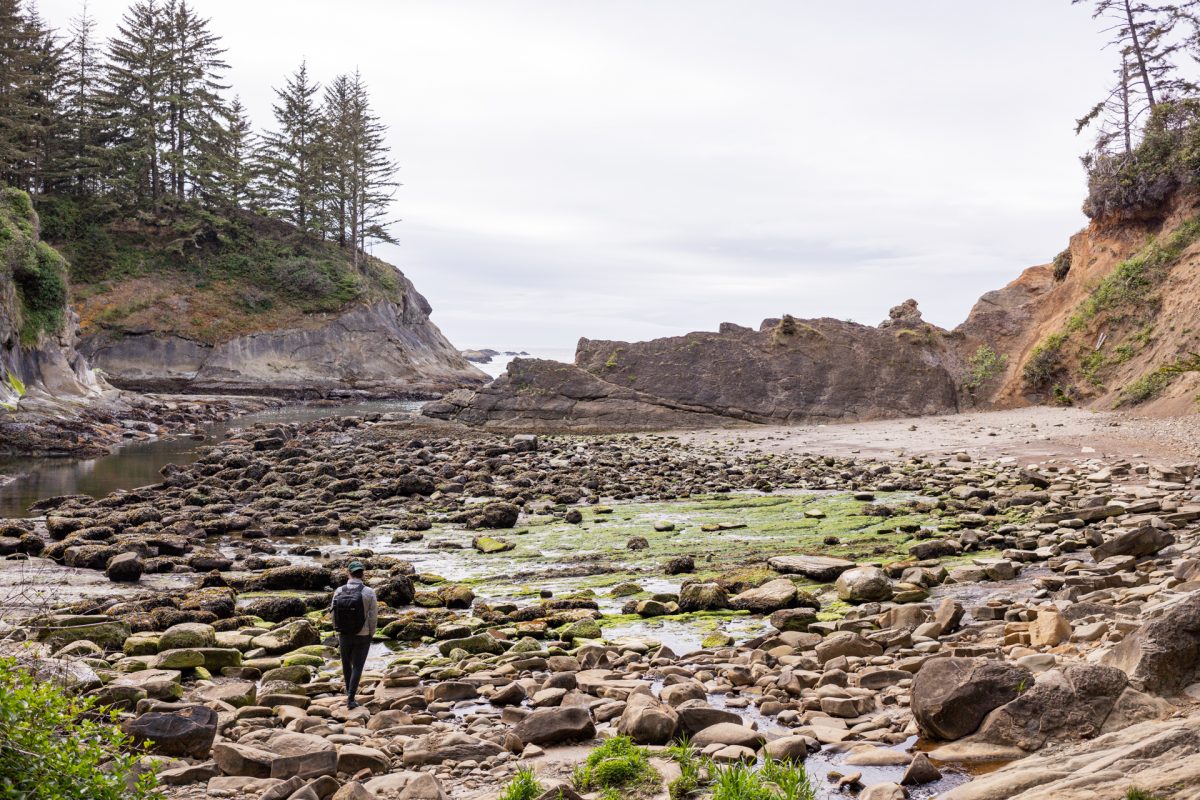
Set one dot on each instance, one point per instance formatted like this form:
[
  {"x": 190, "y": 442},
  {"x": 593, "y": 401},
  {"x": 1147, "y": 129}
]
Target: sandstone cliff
[
  {"x": 1111, "y": 323},
  {"x": 787, "y": 371}
]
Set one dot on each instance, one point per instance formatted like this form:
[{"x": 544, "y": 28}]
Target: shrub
[
  {"x": 523, "y": 786},
  {"x": 1138, "y": 184},
  {"x": 1061, "y": 265},
  {"x": 55, "y": 745},
  {"x": 985, "y": 364},
  {"x": 1140, "y": 794},
  {"x": 617, "y": 763},
  {"x": 1045, "y": 362},
  {"x": 1152, "y": 384}
]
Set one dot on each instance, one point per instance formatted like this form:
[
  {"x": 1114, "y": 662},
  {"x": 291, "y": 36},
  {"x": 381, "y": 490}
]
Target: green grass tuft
[
  {"x": 523, "y": 786},
  {"x": 615, "y": 764}
]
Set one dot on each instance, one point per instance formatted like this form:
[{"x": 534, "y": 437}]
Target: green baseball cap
[{"x": 356, "y": 566}]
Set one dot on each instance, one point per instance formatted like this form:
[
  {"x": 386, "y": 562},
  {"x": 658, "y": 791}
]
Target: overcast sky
[{"x": 625, "y": 169}]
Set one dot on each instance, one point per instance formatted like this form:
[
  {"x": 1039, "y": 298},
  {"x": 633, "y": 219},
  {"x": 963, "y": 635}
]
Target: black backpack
[{"x": 349, "y": 610}]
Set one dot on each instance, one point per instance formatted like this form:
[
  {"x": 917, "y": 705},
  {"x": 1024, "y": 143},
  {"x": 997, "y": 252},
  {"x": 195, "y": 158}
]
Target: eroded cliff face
[
  {"x": 1112, "y": 323},
  {"x": 38, "y": 357},
  {"x": 787, "y": 371},
  {"x": 385, "y": 348}
]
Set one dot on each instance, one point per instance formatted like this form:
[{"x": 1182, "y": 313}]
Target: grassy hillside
[{"x": 203, "y": 276}]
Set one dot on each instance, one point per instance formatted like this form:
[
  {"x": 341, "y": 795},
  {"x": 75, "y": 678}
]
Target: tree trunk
[{"x": 1137, "y": 51}]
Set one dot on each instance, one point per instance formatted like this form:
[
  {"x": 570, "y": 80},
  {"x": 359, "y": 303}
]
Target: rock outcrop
[
  {"x": 386, "y": 348},
  {"x": 38, "y": 359},
  {"x": 787, "y": 371}
]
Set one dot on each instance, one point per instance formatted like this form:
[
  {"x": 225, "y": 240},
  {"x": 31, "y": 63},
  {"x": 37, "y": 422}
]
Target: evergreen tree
[
  {"x": 81, "y": 71},
  {"x": 359, "y": 177},
  {"x": 196, "y": 115},
  {"x": 291, "y": 156},
  {"x": 374, "y": 172},
  {"x": 44, "y": 169},
  {"x": 23, "y": 73},
  {"x": 1146, "y": 38},
  {"x": 134, "y": 104},
  {"x": 232, "y": 167}
]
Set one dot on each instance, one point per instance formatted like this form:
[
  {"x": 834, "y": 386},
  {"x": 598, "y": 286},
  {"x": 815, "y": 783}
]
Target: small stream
[{"x": 134, "y": 465}]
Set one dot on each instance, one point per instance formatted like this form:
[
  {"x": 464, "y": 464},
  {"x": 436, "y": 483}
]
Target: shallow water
[{"x": 138, "y": 464}]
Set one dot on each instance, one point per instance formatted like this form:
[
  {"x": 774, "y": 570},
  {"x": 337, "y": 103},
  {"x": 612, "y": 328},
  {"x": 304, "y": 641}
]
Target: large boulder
[
  {"x": 494, "y": 515},
  {"x": 124, "y": 568},
  {"x": 276, "y": 608},
  {"x": 295, "y": 576},
  {"x": 434, "y": 748},
  {"x": 554, "y": 725},
  {"x": 293, "y": 635},
  {"x": 821, "y": 569},
  {"x": 187, "y": 635},
  {"x": 648, "y": 721},
  {"x": 396, "y": 591},
  {"x": 1162, "y": 656},
  {"x": 847, "y": 643},
  {"x": 951, "y": 696},
  {"x": 60, "y": 631},
  {"x": 864, "y": 585},
  {"x": 771, "y": 596},
  {"x": 1140, "y": 542},
  {"x": 702, "y": 597},
  {"x": 1072, "y": 703},
  {"x": 475, "y": 645},
  {"x": 188, "y": 732},
  {"x": 273, "y": 753}
]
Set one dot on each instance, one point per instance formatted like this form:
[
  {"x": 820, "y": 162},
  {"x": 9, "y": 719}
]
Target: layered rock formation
[
  {"x": 787, "y": 371},
  {"x": 385, "y": 348}
]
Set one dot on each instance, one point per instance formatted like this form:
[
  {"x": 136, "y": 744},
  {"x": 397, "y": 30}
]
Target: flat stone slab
[{"x": 818, "y": 568}]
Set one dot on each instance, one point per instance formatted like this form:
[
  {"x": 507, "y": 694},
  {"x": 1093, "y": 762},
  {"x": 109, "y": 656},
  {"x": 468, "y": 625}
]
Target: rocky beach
[{"x": 988, "y": 607}]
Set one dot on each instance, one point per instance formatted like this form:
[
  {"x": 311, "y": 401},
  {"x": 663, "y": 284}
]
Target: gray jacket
[{"x": 370, "y": 606}]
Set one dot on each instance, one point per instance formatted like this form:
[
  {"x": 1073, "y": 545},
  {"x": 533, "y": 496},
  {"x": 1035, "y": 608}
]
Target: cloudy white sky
[{"x": 637, "y": 168}]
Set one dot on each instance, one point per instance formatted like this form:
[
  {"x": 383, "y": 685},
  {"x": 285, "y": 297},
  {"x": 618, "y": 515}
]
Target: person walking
[{"x": 355, "y": 613}]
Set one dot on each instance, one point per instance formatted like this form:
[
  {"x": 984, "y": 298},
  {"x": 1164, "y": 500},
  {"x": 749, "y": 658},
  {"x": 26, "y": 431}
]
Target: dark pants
[{"x": 354, "y": 657}]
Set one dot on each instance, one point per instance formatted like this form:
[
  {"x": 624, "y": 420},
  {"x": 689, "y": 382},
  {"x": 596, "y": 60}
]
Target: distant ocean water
[{"x": 500, "y": 363}]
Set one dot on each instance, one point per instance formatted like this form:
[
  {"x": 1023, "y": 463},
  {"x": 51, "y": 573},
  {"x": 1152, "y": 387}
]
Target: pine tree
[
  {"x": 44, "y": 83},
  {"x": 18, "y": 57},
  {"x": 359, "y": 177},
  {"x": 134, "y": 104},
  {"x": 337, "y": 133},
  {"x": 1146, "y": 38},
  {"x": 291, "y": 156},
  {"x": 196, "y": 114},
  {"x": 231, "y": 165},
  {"x": 374, "y": 171},
  {"x": 81, "y": 70}
]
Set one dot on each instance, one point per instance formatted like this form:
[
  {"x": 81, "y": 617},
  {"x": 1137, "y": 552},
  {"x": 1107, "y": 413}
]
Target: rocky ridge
[
  {"x": 1048, "y": 618},
  {"x": 788, "y": 371}
]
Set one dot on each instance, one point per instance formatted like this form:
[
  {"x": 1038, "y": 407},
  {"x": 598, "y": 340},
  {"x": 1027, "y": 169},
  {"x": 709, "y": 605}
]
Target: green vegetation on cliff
[
  {"x": 203, "y": 274},
  {"x": 175, "y": 213},
  {"x": 1114, "y": 322},
  {"x": 38, "y": 273}
]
